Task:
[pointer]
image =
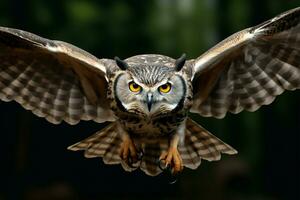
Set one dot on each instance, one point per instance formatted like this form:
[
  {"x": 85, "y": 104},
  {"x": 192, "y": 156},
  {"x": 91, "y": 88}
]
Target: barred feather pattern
[
  {"x": 105, "y": 143},
  {"x": 198, "y": 144},
  {"x": 267, "y": 66},
  {"x": 201, "y": 144},
  {"x": 47, "y": 89}
]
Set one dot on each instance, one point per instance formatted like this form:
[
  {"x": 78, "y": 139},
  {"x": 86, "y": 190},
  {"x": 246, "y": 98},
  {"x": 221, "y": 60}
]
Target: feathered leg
[
  {"x": 128, "y": 151},
  {"x": 172, "y": 157}
]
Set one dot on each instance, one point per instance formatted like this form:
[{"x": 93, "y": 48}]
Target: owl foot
[
  {"x": 128, "y": 152},
  {"x": 171, "y": 160}
]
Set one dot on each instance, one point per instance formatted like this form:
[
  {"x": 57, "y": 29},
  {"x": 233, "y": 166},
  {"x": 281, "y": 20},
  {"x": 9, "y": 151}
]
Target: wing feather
[
  {"x": 53, "y": 79},
  {"x": 255, "y": 65}
]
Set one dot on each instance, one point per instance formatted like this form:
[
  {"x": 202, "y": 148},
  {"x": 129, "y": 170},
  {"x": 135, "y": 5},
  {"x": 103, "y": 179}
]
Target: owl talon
[
  {"x": 171, "y": 161},
  {"x": 168, "y": 170},
  {"x": 140, "y": 155},
  {"x": 173, "y": 179},
  {"x": 128, "y": 152},
  {"x": 162, "y": 165}
]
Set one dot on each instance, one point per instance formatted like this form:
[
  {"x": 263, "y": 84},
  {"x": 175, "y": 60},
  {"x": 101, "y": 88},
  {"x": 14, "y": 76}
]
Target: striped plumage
[
  {"x": 53, "y": 93},
  {"x": 198, "y": 144},
  {"x": 61, "y": 82},
  {"x": 254, "y": 66}
]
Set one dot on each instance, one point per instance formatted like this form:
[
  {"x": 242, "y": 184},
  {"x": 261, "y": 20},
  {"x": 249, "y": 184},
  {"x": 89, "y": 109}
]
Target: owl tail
[
  {"x": 201, "y": 144},
  {"x": 104, "y": 143},
  {"x": 198, "y": 144}
]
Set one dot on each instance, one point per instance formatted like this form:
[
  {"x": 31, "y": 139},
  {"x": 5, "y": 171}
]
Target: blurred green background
[{"x": 34, "y": 162}]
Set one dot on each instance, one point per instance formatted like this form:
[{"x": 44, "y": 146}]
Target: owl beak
[{"x": 149, "y": 100}]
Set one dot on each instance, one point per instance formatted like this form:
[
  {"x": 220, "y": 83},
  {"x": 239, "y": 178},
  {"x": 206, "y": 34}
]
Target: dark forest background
[{"x": 34, "y": 161}]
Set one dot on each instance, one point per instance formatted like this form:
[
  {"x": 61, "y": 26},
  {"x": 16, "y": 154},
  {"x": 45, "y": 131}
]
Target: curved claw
[
  {"x": 140, "y": 155},
  {"x": 171, "y": 161},
  {"x": 162, "y": 165},
  {"x": 131, "y": 163},
  {"x": 173, "y": 179},
  {"x": 168, "y": 170}
]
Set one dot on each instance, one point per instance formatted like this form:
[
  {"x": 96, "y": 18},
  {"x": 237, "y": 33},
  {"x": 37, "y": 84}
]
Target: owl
[{"x": 147, "y": 98}]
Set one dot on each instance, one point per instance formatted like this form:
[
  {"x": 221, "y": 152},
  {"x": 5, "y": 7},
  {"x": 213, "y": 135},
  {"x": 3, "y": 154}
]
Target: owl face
[{"x": 149, "y": 90}]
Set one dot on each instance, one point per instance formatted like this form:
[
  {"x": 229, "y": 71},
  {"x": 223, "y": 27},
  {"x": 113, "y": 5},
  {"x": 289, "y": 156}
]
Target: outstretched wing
[
  {"x": 250, "y": 68},
  {"x": 53, "y": 79}
]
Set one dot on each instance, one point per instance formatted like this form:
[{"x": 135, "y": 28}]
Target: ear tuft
[
  {"x": 121, "y": 63},
  {"x": 179, "y": 63}
]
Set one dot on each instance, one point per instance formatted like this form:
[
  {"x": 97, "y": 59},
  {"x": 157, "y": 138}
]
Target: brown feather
[
  {"x": 257, "y": 64},
  {"x": 198, "y": 144},
  {"x": 53, "y": 79}
]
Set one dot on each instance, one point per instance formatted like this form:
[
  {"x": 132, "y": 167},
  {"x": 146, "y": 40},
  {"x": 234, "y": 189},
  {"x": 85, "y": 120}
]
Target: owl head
[{"x": 149, "y": 88}]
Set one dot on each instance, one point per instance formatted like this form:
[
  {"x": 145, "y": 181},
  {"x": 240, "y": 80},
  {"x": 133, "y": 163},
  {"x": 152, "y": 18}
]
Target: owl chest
[
  {"x": 146, "y": 128},
  {"x": 142, "y": 127}
]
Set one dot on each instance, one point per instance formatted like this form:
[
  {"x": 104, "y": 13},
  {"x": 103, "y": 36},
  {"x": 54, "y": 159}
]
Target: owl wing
[
  {"x": 248, "y": 69},
  {"x": 53, "y": 79}
]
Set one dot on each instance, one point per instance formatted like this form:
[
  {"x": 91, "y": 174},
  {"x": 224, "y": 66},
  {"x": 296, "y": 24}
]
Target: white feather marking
[
  {"x": 221, "y": 50},
  {"x": 79, "y": 54}
]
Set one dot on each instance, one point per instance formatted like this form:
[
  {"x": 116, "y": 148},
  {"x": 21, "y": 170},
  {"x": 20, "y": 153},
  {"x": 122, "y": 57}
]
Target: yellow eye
[
  {"x": 165, "y": 88},
  {"x": 134, "y": 87}
]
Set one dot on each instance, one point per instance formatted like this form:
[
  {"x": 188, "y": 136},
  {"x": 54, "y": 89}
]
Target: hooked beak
[{"x": 149, "y": 100}]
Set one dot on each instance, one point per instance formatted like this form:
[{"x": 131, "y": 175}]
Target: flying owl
[{"x": 147, "y": 98}]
